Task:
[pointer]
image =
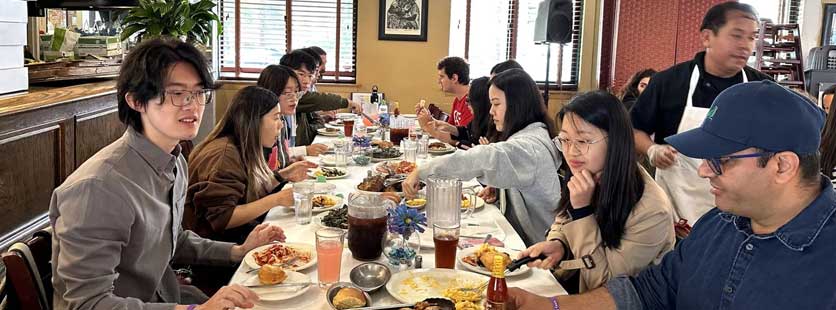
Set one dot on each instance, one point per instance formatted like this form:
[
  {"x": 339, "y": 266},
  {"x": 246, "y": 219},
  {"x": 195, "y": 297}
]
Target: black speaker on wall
[{"x": 554, "y": 22}]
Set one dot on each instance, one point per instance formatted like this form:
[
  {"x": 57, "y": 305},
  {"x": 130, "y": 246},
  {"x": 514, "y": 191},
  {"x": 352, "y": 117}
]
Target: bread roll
[
  {"x": 348, "y": 297},
  {"x": 271, "y": 274}
]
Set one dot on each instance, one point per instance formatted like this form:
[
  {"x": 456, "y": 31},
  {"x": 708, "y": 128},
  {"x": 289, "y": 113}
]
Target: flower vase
[{"x": 401, "y": 250}]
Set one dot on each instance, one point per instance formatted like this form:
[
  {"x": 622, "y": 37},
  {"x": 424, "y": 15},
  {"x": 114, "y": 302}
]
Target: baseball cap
[{"x": 760, "y": 114}]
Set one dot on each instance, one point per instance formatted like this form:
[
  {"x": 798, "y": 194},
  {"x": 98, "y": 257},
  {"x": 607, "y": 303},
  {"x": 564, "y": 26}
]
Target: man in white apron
[{"x": 678, "y": 99}]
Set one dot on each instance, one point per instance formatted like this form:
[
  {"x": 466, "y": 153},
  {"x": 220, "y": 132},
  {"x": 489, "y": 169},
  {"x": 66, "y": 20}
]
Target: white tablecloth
[{"x": 537, "y": 281}]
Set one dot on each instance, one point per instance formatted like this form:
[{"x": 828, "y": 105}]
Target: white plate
[
  {"x": 312, "y": 173},
  {"x": 324, "y": 132},
  {"x": 468, "y": 251},
  {"x": 415, "y": 285},
  {"x": 409, "y": 115},
  {"x": 377, "y": 160},
  {"x": 480, "y": 203},
  {"x": 345, "y": 115},
  {"x": 337, "y": 199},
  {"x": 272, "y": 293},
  {"x": 317, "y": 219},
  {"x": 250, "y": 260},
  {"x": 449, "y": 149},
  {"x": 334, "y": 124},
  {"x": 480, "y": 231},
  {"x": 328, "y": 160},
  {"x": 392, "y": 163}
]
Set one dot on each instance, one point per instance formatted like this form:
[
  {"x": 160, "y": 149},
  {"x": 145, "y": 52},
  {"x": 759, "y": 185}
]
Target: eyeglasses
[
  {"x": 582, "y": 146},
  {"x": 716, "y": 164},
  {"x": 290, "y": 95},
  {"x": 181, "y": 98}
]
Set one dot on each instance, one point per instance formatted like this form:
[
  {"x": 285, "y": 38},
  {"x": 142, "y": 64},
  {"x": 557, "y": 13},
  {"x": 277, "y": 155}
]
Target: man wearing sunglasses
[{"x": 770, "y": 242}]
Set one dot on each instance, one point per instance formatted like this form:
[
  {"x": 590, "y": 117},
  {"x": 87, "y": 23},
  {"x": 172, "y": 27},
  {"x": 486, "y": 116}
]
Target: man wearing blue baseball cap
[{"x": 771, "y": 241}]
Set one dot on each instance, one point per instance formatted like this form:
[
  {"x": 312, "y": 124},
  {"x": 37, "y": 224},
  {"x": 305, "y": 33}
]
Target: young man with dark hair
[
  {"x": 678, "y": 99},
  {"x": 771, "y": 240},
  {"x": 454, "y": 78},
  {"x": 305, "y": 66},
  {"x": 116, "y": 219}
]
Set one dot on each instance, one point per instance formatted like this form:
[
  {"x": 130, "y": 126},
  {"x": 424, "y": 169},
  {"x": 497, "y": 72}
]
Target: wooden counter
[{"x": 44, "y": 136}]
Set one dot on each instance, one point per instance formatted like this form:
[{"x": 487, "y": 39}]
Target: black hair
[
  {"x": 318, "y": 50},
  {"x": 480, "y": 103},
  {"x": 621, "y": 185},
  {"x": 717, "y": 15},
  {"x": 145, "y": 72},
  {"x": 315, "y": 56},
  {"x": 505, "y": 65},
  {"x": 455, "y": 65},
  {"x": 631, "y": 89},
  {"x": 298, "y": 59},
  {"x": 275, "y": 78},
  {"x": 830, "y": 90},
  {"x": 809, "y": 165},
  {"x": 524, "y": 104}
]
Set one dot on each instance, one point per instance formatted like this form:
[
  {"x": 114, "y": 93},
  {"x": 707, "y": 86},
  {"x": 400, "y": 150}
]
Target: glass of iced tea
[
  {"x": 446, "y": 239},
  {"x": 348, "y": 127},
  {"x": 398, "y": 134},
  {"x": 329, "y": 252}
]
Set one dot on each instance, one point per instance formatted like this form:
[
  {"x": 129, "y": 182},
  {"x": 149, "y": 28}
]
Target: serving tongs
[{"x": 517, "y": 263}]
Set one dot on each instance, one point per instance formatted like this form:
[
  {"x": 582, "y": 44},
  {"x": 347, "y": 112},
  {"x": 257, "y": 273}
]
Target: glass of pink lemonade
[{"x": 329, "y": 252}]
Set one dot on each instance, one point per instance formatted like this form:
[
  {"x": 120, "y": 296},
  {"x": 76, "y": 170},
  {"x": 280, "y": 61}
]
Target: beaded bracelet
[
  {"x": 555, "y": 306},
  {"x": 191, "y": 307}
]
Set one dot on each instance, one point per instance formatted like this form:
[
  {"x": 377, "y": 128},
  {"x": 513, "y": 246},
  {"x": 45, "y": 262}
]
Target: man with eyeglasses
[
  {"x": 771, "y": 241},
  {"x": 116, "y": 219}
]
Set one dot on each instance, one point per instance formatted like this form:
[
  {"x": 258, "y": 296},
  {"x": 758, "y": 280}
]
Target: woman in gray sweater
[{"x": 523, "y": 162}]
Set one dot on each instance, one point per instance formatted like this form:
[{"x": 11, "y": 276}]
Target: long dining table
[{"x": 535, "y": 280}]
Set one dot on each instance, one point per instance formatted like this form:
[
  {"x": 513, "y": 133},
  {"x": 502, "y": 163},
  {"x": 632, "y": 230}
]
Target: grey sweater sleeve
[{"x": 508, "y": 164}]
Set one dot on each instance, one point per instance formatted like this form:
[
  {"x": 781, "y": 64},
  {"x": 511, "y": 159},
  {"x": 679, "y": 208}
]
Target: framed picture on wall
[
  {"x": 403, "y": 20},
  {"x": 828, "y": 32}
]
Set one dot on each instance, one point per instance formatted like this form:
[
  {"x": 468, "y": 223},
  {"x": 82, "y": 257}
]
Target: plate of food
[
  {"x": 416, "y": 203},
  {"x": 329, "y": 132},
  {"x": 322, "y": 203},
  {"x": 329, "y": 173},
  {"x": 291, "y": 256},
  {"x": 338, "y": 123},
  {"x": 412, "y": 286},
  {"x": 395, "y": 167},
  {"x": 336, "y": 218},
  {"x": 382, "y": 144},
  {"x": 438, "y": 148},
  {"x": 480, "y": 203},
  {"x": 382, "y": 154},
  {"x": 480, "y": 258},
  {"x": 375, "y": 184},
  {"x": 328, "y": 159},
  {"x": 342, "y": 116},
  {"x": 273, "y": 275}
]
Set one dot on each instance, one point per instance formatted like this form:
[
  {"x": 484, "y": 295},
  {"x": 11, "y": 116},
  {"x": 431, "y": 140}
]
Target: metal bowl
[
  {"x": 370, "y": 276},
  {"x": 334, "y": 288}
]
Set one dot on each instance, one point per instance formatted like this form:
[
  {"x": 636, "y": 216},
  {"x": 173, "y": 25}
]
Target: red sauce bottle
[{"x": 497, "y": 289}]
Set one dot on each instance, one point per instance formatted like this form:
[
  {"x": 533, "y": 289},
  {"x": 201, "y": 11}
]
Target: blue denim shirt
[{"x": 724, "y": 265}]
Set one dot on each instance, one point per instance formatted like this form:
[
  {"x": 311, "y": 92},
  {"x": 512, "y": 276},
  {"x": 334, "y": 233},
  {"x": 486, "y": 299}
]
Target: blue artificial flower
[
  {"x": 404, "y": 220},
  {"x": 362, "y": 141}
]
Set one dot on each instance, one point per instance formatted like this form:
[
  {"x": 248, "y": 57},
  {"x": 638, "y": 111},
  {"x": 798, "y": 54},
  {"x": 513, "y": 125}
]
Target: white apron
[{"x": 690, "y": 194}]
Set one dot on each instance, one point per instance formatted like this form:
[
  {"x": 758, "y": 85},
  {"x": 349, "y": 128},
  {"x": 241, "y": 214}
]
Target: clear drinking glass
[
  {"x": 329, "y": 252},
  {"x": 470, "y": 206},
  {"x": 410, "y": 150},
  {"x": 342, "y": 151},
  {"x": 423, "y": 147},
  {"x": 302, "y": 201}
]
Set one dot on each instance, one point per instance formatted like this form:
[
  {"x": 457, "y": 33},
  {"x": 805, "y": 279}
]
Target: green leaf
[
  {"x": 187, "y": 26},
  {"x": 127, "y": 32},
  {"x": 154, "y": 29}
]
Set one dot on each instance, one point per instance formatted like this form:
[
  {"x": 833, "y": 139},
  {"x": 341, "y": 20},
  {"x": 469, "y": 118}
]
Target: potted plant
[{"x": 191, "y": 22}]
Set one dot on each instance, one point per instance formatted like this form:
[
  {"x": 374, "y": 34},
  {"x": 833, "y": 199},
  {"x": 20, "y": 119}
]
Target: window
[
  {"x": 778, "y": 11},
  {"x": 496, "y": 30},
  {"x": 258, "y": 33}
]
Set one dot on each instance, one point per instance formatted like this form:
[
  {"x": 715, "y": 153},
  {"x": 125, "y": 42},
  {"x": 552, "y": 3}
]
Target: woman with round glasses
[
  {"x": 523, "y": 161},
  {"x": 612, "y": 218},
  {"x": 231, "y": 188}
]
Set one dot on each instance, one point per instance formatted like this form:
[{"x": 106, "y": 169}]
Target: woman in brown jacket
[
  {"x": 612, "y": 218},
  {"x": 231, "y": 187}
]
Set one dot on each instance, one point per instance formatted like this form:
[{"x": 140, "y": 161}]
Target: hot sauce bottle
[{"x": 497, "y": 289}]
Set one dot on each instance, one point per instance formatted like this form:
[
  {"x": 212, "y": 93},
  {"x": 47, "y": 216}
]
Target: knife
[
  {"x": 280, "y": 285},
  {"x": 514, "y": 265}
]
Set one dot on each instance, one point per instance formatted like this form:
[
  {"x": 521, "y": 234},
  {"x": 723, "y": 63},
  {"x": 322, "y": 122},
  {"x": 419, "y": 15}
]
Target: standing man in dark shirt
[{"x": 678, "y": 99}]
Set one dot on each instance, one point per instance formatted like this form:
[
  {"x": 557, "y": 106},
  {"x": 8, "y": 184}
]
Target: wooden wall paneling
[
  {"x": 608, "y": 29},
  {"x": 646, "y": 37},
  {"x": 691, "y": 13},
  {"x": 95, "y": 131}
]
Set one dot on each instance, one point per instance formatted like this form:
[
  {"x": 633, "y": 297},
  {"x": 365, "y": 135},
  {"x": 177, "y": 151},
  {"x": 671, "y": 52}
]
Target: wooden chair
[{"x": 28, "y": 282}]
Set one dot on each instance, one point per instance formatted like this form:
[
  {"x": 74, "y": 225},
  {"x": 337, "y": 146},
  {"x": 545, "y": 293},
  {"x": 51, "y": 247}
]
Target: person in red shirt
[{"x": 454, "y": 78}]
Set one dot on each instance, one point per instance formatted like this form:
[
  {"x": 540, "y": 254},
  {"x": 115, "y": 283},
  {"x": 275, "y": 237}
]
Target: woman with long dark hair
[
  {"x": 231, "y": 187},
  {"x": 636, "y": 85},
  {"x": 612, "y": 219},
  {"x": 464, "y": 137},
  {"x": 523, "y": 161},
  {"x": 828, "y": 148}
]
